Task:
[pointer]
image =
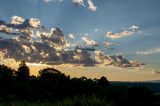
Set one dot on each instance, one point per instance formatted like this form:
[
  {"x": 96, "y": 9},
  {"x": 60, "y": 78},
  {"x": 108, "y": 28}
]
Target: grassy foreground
[{"x": 76, "y": 101}]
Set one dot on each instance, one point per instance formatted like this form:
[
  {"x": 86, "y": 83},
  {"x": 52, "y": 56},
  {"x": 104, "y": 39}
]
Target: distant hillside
[{"x": 154, "y": 85}]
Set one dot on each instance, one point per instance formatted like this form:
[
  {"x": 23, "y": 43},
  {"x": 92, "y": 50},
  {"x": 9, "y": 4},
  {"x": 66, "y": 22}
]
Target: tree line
[{"x": 51, "y": 85}]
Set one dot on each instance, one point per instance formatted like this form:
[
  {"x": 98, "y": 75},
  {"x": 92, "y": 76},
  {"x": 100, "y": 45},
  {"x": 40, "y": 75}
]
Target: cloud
[
  {"x": 119, "y": 35},
  {"x": 131, "y": 31},
  {"x": 71, "y": 36},
  {"x": 5, "y": 29},
  {"x": 134, "y": 27},
  {"x": 109, "y": 44},
  {"x": 113, "y": 35},
  {"x": 149, "y": 52},
  {"x": 127, "y": 33},
  {"x": 21, "y": 23},
  {"x": 17, "y": 20},
  {"x": 78, "y": 2},
  {"x": 101, "y": 58},
  {"x": 91, "y": 7},
  {"x": 121, "y": 61},
  {"x": 115, "y": 60},
  {"x": 89, "y": 41},
  {"x": 35, "y": 44},
  {"x": 35, "y": 22}
]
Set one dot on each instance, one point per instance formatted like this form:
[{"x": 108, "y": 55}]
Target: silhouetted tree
[
  {"x": 6, "y": 73},
  {"x": 6, "y": 81},
  {"x": 50, "y": 73},
  {"x": 103, "y": 82},
  {"x": 23, "y": 71}
]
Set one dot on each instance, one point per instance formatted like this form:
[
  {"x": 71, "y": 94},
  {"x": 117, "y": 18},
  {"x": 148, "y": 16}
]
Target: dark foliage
[
  {"x": 23, "y": 71},
  {"x": 51, "y": 85}
]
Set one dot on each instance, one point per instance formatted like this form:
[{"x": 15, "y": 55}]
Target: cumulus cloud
[
  {"x": 34, "y": 44},
  {"x": 101, "y": 58},
  {"x": 35, "y": 22},
  {"x": 89, "y": 41},
  {"x": 5, "y": 29},
  {"x": 91, "y": 7},
  {"x": 17, "y": 20},
  {"x": 149, "y": 52},
  {"x": 18, "y": 23},
  {"x": 131, "y": 31}
]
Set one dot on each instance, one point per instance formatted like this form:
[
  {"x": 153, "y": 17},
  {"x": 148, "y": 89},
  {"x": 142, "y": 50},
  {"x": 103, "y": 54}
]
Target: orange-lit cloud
[
  {"x": 89, "y": 41},
  {"x": 129, "y": 32}
]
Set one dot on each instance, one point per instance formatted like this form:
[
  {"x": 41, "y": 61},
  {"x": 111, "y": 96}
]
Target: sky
[{"x": 133, "y": 25}]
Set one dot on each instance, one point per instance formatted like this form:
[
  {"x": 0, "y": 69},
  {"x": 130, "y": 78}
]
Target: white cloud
[
  {"x": 134, "y": 27},
  {"x": 34, "y": 22},
  {"x": 89, "y": 41},
  {"x": 91, "y": 7},
  {"x": 71, "y": 36},
  {"x": 79, "y": 2},
  {"x": 131, "y": 31},
  {"x": 149, "y": 52},
  {"x": 17, "y": 20}
]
